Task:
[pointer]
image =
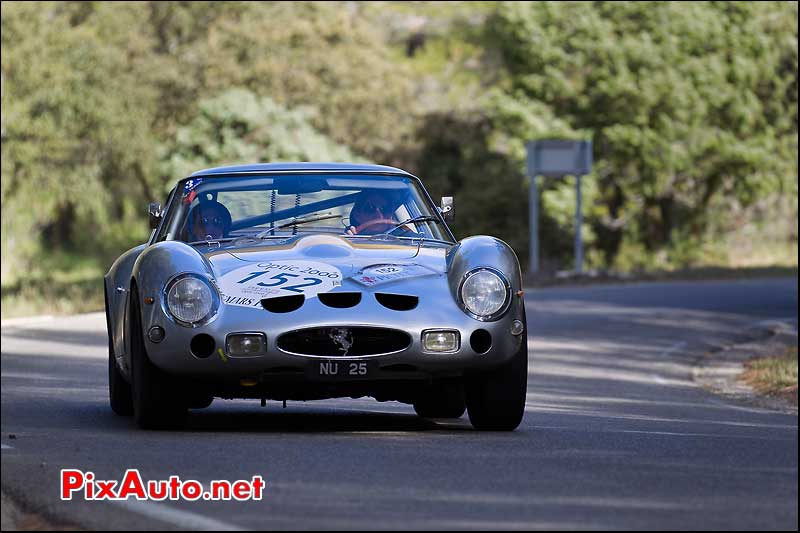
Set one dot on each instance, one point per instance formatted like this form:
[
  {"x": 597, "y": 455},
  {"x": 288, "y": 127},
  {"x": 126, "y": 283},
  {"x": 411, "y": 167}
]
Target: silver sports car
[{"x": 308, "y": 281}]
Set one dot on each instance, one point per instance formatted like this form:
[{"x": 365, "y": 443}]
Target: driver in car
[{"x": 372, "y": 213}]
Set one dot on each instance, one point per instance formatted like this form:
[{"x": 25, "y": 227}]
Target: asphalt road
[{"x": 616, "y": 435}]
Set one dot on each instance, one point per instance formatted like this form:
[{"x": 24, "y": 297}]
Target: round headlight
[
  {"x": 190, "y": 299},
  {"x": 484, "y": 293}
]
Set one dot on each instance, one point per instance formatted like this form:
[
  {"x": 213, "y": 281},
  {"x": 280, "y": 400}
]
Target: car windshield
[{"x": 216, "y": 208}]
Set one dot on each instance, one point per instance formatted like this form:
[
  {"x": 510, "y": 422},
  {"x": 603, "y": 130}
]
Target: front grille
[{"x": 344, "y": 341}]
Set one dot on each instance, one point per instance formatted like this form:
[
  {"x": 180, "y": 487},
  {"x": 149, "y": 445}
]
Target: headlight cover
[
  {"x": 190, "y": 299},
  {"x": 485, "y": 293}
]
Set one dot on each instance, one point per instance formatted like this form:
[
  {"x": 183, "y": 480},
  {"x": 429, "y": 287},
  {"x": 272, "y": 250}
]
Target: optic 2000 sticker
[{"x": 247, "y": 286}]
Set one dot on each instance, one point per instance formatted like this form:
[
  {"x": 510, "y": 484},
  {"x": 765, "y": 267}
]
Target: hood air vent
[
  {"x": 397, "y": 302},
  {"x": 283, "y": 304},
  {"x": 340, "y": 300}
]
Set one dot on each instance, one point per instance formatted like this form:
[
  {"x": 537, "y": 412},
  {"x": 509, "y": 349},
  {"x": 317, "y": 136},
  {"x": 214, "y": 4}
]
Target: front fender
[
  {"x": 154, "y": 267},
  {"x": 484, "y": 251},
  {"x": 116, "y": 284}
]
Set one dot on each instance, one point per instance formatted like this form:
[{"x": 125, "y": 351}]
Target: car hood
[{"x": 257, "y": 269}]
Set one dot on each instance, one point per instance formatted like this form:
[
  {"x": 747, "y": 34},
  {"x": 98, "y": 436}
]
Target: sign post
[
  {"x": 556, "y": 158},
  {"x": 533, "y": 213}
]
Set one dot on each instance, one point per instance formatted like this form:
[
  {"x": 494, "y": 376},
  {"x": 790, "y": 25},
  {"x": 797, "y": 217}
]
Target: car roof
[{"x": 298, "y": 167}]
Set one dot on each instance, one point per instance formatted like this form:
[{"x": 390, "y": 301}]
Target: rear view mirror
[
  {"x": 300, "y": 184},
  {"x": 447, "y": 209},
  {"x": 154, "y": 212}
]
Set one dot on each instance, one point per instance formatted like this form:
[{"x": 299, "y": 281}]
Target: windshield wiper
[
  {"x": 421, "y": 218},
  {"x": 306, "y": 220},
  {"x": 207, "y": 241}
]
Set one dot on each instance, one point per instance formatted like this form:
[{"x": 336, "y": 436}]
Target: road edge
[
  {"x": 8, "y": 513},
  {"x": 15, "y": 517},
  {"x": 718, "y": 370}
]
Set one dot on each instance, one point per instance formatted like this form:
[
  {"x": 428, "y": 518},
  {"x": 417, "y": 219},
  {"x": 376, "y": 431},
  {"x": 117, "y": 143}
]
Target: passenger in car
[{"x": 208, "y": 220}]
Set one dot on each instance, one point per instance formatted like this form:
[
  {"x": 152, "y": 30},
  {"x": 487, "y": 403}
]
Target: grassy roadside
[
  {"x": 774, "y": 375},
  {"x": 710, "y": 273},
  {"x": 61, "y": 285},
  {"x": 38, "y": 297}
]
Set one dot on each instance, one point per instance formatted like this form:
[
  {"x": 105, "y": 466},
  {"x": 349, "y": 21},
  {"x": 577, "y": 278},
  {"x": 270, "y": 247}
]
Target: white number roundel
[{"x": 248, "y": 285}]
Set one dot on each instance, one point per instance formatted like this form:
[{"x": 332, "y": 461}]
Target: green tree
[
  {"x": 686, "y": 102},
  {"x": 75, "y": 130},
  {"x": 239, "y": 126},
  {"x": 96, "y": 94},
  {"x": 329, "y": 56}
]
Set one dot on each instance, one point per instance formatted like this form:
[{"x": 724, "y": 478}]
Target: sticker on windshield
[
  {"x": 189, "y": 192},
  {"x": 385, "y": 273},
  {"x": 191, "y": 184},
  {"x": 247, "y": 286}
]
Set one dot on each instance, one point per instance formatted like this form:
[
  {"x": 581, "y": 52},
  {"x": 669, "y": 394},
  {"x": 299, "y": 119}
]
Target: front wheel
[
  {"x": 119, "y": 390},
  {"x": 444, "y": 401},
  {"x": 200, "y": 401},
  {"x": 496, "y": 399},
  {"x": 157, "y": 403}
]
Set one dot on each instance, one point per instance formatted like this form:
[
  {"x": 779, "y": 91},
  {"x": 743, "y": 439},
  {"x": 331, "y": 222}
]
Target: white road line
[
  {"x": 182, "y": 519},
  {"x": 703, "y": 435},
  {"x": 6, "y": 447}
]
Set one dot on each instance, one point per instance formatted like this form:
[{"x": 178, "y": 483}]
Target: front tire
[
  {"x": 444, "y": 401},
  {"x": 496, "y": 399},
  {"x": 119, "y": 390},
  {"x": 156, "y": 396},
  {"x": 200, "y": 401}
]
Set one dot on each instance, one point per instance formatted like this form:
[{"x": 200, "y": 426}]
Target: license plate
[{"x": 342, "y": 370}]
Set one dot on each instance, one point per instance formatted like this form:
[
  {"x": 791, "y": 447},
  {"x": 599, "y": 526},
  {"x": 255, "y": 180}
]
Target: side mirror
[
  {"x": 447, "y": 210},
  {"x": 154, "y": 211}
]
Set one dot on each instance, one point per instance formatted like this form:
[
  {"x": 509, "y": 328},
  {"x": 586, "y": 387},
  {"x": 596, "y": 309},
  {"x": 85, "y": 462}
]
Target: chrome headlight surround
[
  {"x": 212, "y": 302},
  {"x": 500, "y": 311}
]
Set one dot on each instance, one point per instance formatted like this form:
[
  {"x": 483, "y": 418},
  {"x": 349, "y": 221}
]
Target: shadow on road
[{"x": 326, "y": 421}]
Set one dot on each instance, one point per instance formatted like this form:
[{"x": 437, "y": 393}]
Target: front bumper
[{"x": 173, "y": 354}]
